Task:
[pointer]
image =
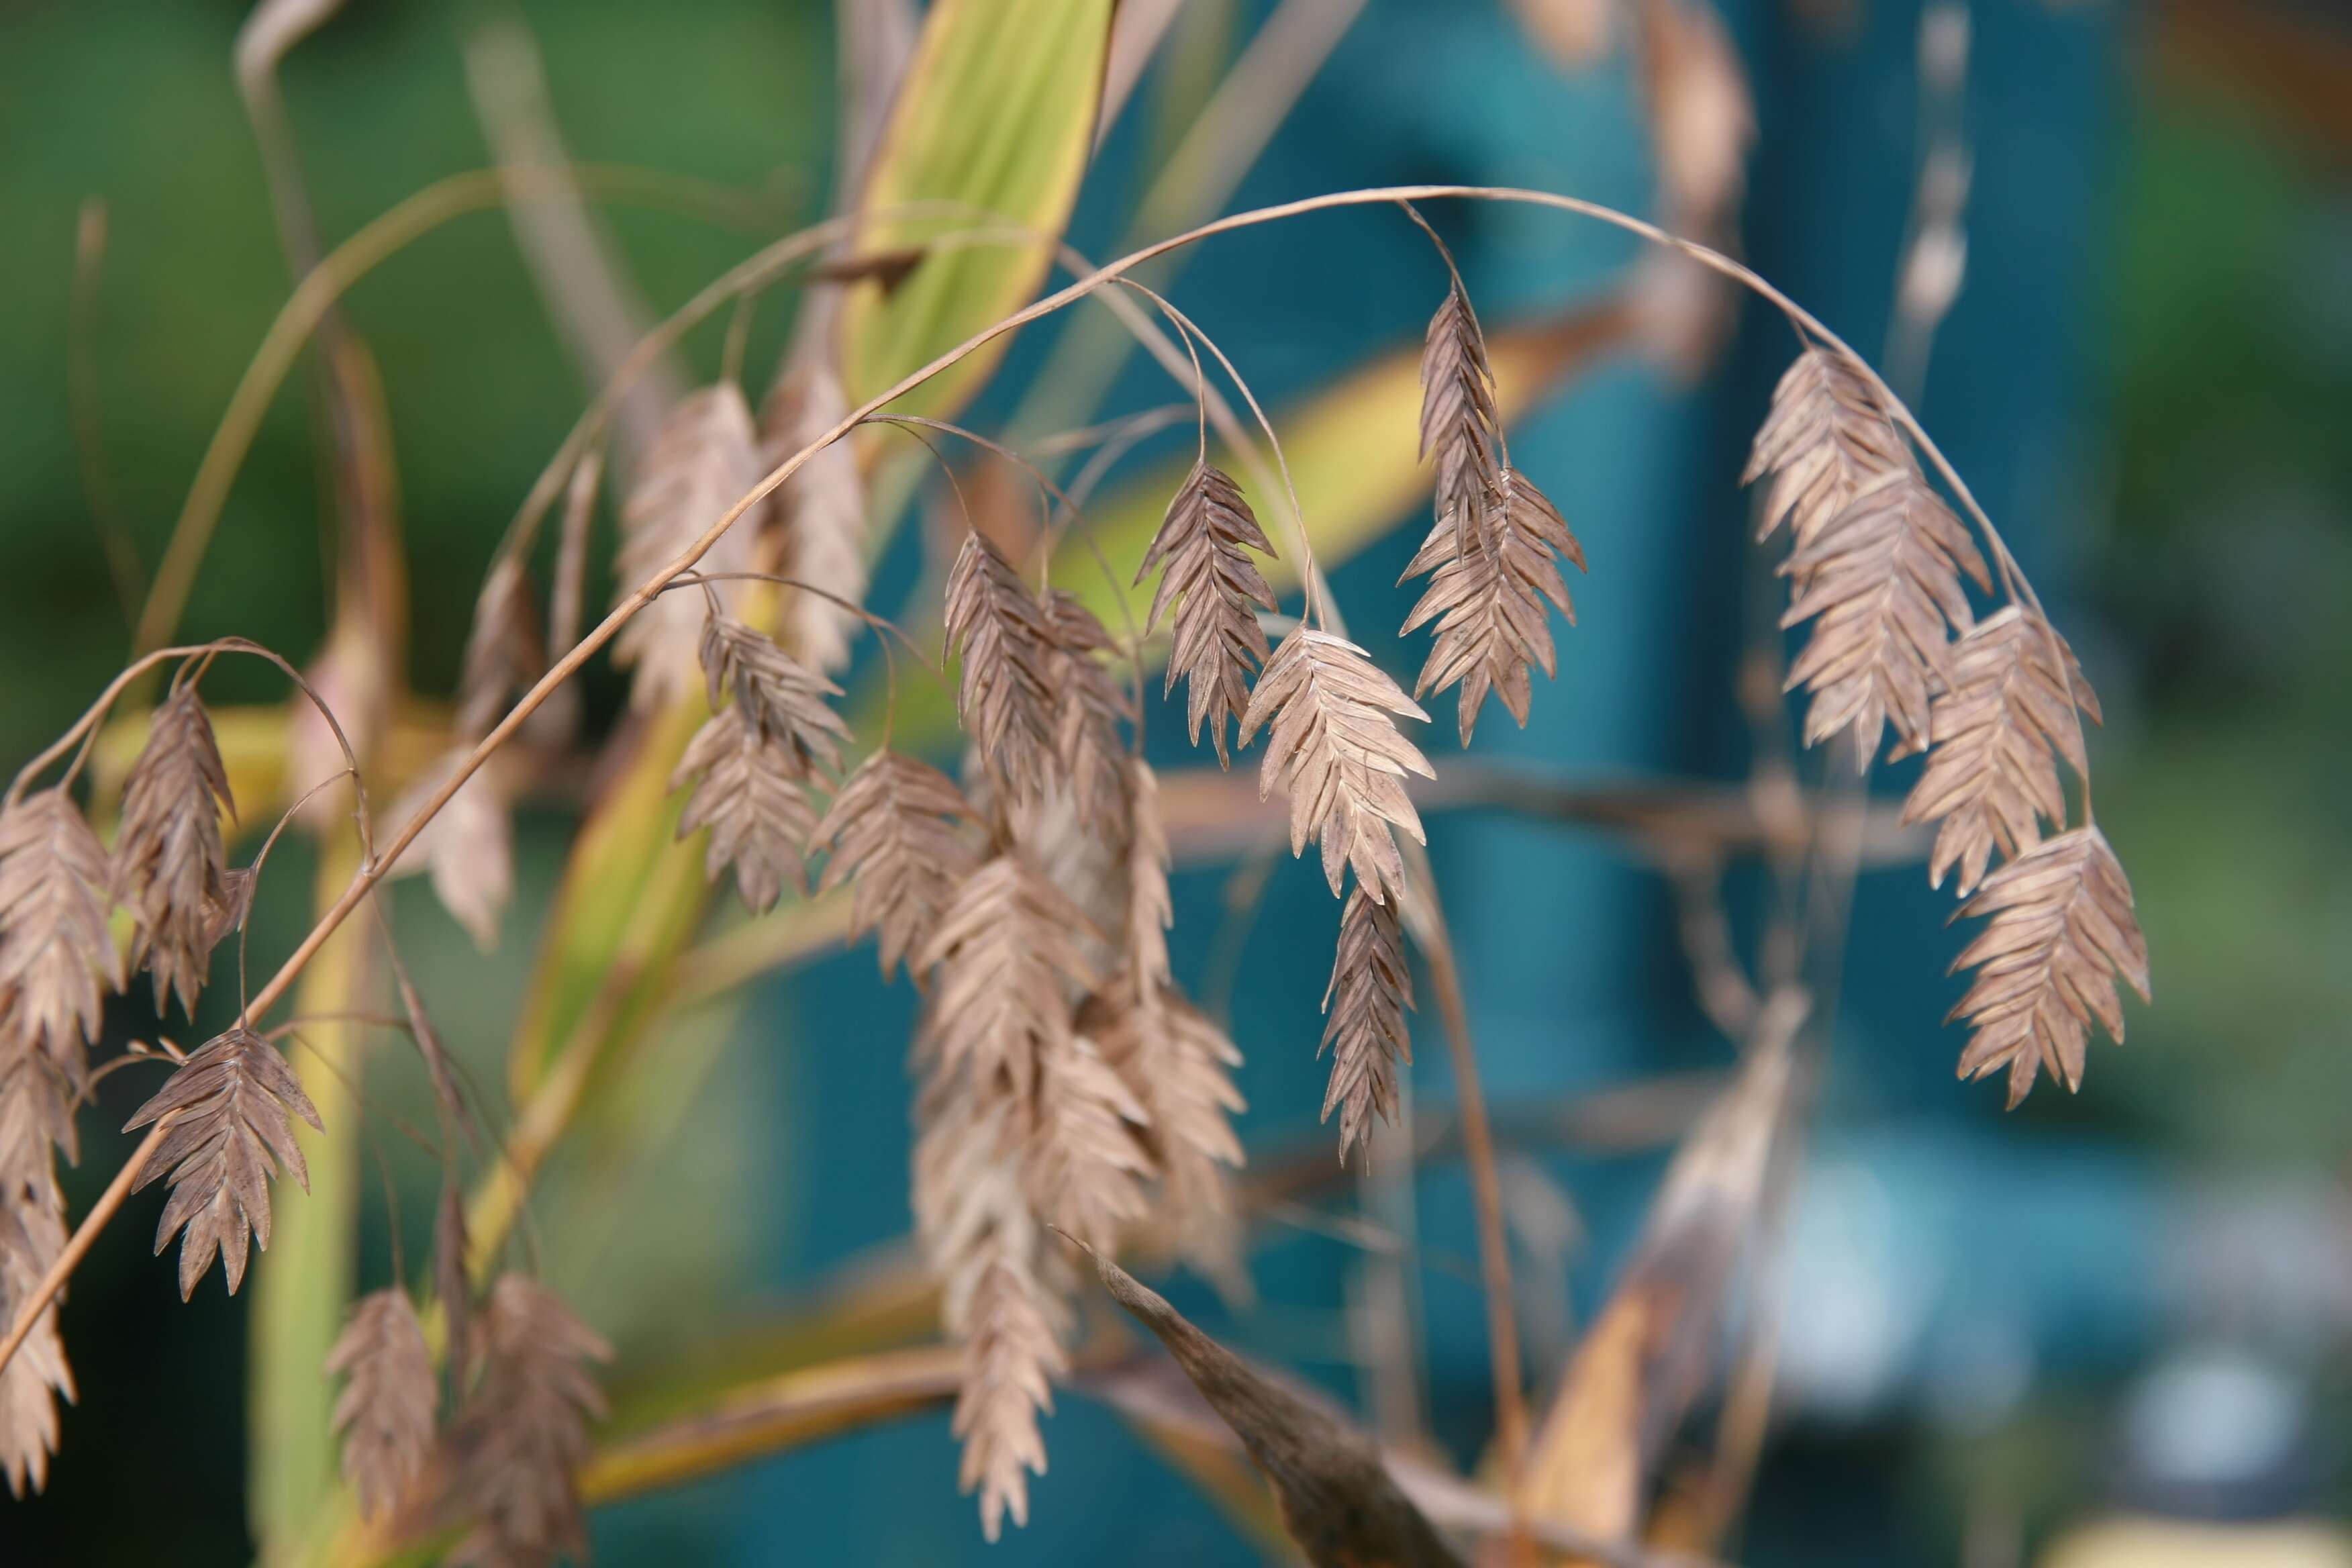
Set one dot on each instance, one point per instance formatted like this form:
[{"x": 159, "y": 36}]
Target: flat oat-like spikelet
[
  {"x": 1005, "y": 695},
  {"x": 821, "y": 513},
  {"x": 1489, "y": 602},
  {"x": 1085, "y": 1164},
  {"x": 36, "y": 1119},
  {"x": 170, "y": 868},
  {"x": 1215, "y": 592},
  {"x": 896, "y": 833},
  {"x": 1180, "y": 1065},
  {"x": 232, "y": 1096},
  {"x": 518, "y": 1444},
  {"x": 54, "y": 944},
  {"x": 1825, "y": 441},
  {"x": 2006, "y": 715},
  {"x": 776, "y": 694},
  {"x": 1881, "y": 583},
  {"x": 467, "y": 846},
  {"x": 2063, "y": 930},
  {"x": 1458, "y": 418},
  {"x": 748, "y": 793},
  {"x": 1364, "y": 1029},
  {"x": 1336, "y": 750},
  {"x": 384, "y": 1415},
  {"x": 1093, "y": 705},
  {"x": 505, "y": 651},
  {"x": 1149, "y": 909},
  {"x": 983, "y": 1245},
  {"x": 1007, "y": 953},
  {"x": 703, "y": 461},
  {"x": 32, "y": 1235}
]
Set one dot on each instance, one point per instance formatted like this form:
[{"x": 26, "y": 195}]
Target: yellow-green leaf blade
[{"x": 992, "y": 126}]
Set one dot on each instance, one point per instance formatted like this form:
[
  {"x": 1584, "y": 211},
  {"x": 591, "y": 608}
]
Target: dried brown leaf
[
  {"x": 386, "y": 1412},
  {"x": 747, "y": 792},
  {"x": 703, "y": 461},
  {"x": 1881, "y": 583},
  {"x": 2006, "y": 716},
  {"x": 170, "y": 868},
  {"x": 1215, "y": 592},
  {"x": 1008, "y": 956},
  {"x": 895, "y": 832},
  {"x": 232, "y": 1096},
  {"x": 1005, "y": 694},
  {"x": 820, "y": 511},
  {"x": 1336, "y": 750},
  {"x": 518, "y": 1443},
  {"x": 1364, "y": 1028},
  {"x": 1336, "y": 1498},
  {"x": 1489, "y": 602},
  {"x": 2063, "y": 928},
  {"x": 1647, "y": 1355},
  {"x": 55, "y": 947}
]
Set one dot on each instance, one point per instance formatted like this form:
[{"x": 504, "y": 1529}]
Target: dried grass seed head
[
  {"x": 899, "y": 832},
  {"x": 1881, "y": 583},
  {"x": 55, "y": 947},
  {"x": 467, "y": 847},
  {"x": 1004, "y": 693},
  {"x": 385, "y": 1414},
  {"x": 1214, "y": 593},
  {"x": 232, "y": 1096},
  {"x": 1008, "y": 956},
  {"x": 519, "y": 1442},
  {"x": 32, "y": 1235},
  {"x": 747, "y": 792},
  {"x": 2062, "y": 930},
  {"x": 1334, "y": 746},
  {"x": 820, "y": 512},
  {"x": 984, "y": 1244},
  {"x": 1824, "y": 440},
  {"x": 1086, "y": 1165},
  {"x": 169, "y": 868},
  {"x": 1364, "y": 1028},
  {"x": 1458, "y": 416},
  {"x": 2004, "y": 718},
  {"x": 703, "y": 461},
  {"x": 504, "y": 647},
  {"x": 776, "y": 694},
  {"x": 1089, "y": 746},
  {"x": 1489, "y": 602}
]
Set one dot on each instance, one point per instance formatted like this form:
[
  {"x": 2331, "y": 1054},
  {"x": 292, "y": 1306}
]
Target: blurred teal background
[{"x": 2146, "y": 378}]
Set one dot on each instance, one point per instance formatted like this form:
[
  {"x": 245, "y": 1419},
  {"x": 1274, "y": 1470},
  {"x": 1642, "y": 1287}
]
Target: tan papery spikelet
[
  {"x": 232, "y": 1096},
  {"x": 2005, "y": 718},
  {"x": 2062, "y": 930},
  {"x": 1335, "y": 748}
]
